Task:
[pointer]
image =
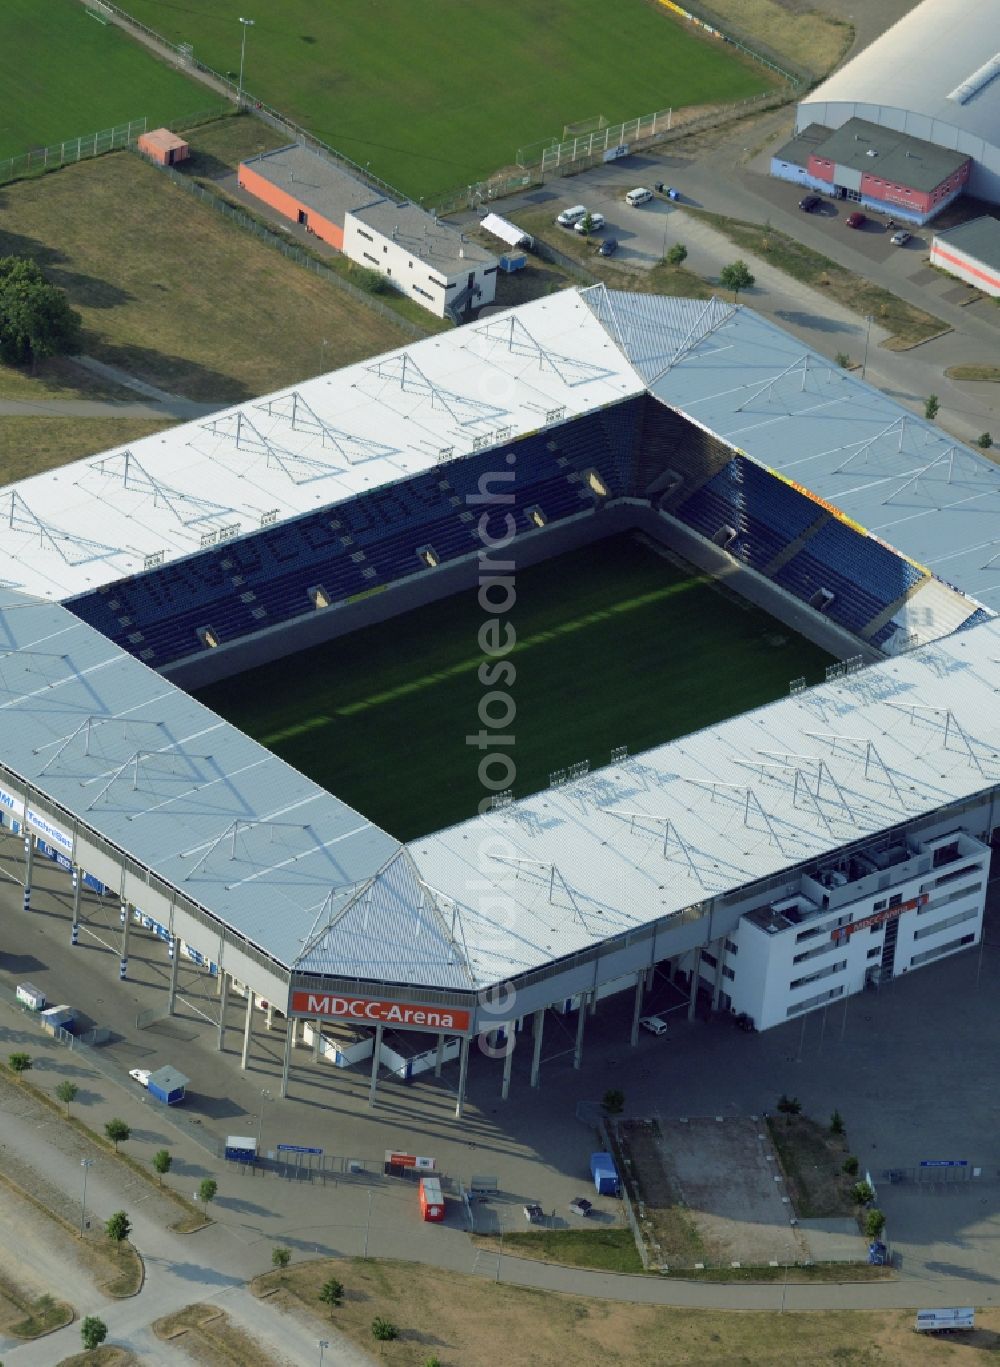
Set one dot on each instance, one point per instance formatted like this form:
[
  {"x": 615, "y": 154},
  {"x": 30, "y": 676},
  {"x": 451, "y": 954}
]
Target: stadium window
[
  {"x": 896, "y": 900},
  {"x": 318, "y": 596},
  {"x": 880, "y": 906},
  {"x": 207, "y": 637},
  {"x": 417, "y": 290},
  {"x": 367, "y": 236},
  {"x": 429, "y": 556},
  {"x": 728, "y": 973},
  {"x": 536, "y": 517},
  {"x": 372, "y": 259}
]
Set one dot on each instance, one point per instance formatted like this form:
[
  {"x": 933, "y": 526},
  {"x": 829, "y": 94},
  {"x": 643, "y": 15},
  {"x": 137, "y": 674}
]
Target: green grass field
[
  {"x": 614, "y": 647},
  {"x": 438, "y": 94},
  {"x": 65, "y": 74}
]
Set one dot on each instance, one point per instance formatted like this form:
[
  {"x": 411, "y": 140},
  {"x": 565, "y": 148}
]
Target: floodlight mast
[{"x": 245, "y": 23}]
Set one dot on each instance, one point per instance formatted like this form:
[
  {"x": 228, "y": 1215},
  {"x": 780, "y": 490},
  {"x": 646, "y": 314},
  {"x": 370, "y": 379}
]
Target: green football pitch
[
  {"x": 615, "y": 646},
  {"x": 64, "y": 74},
  {"x": 438, "y": 93}
]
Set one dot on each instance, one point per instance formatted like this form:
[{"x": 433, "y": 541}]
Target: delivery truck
[
  {"x": 431, "y": 1198},
  {"x": 602, "y": 1170},
  {"x": 31, "y": 996}
]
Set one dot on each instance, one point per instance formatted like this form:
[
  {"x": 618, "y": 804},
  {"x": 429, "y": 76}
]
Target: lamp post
[
  {"x": 85, "y": 1163},
  {"x": 368, "y": 1223},
  {"x": 265, "y": 1095},
  {"x": 323, "y": 1346},
  {"x": 246, "y": 23},
  {"x": 869, "y": 319}
]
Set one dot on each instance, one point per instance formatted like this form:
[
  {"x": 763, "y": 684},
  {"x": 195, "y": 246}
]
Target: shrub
[
  {"x": 850, "y": 1165},
  {"x": 613, "y": 1101},
  {"x": 789, "y": 1106},
  {"x": 384, "y": 1329},
  {"x": 862, "y": 1193},
  {"x": 931, "y": 407},
  {"x": 836, "y": 1123},
  {"x": 281, "y": 1257},
  {"x": 331, "y": 1293},
  {"x": 843, "y": 360},
  {"x": 93, "y": 1332},
  {"x": 677, "y": 254},
  {"x": 372, "y": 281},
  {"x": 984, "y": 442},
  {"x": 19, "y": 1063}
]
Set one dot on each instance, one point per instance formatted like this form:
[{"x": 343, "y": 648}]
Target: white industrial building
[{"x": 934, "y": 75}]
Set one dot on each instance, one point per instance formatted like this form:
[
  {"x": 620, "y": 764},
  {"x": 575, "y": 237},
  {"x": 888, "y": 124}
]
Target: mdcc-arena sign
[{"x": 370, "y": 1011}]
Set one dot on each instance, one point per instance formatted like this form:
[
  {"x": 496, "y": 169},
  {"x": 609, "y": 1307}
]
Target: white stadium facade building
[
  {"x": 777, "y": 862},
  {"x": 934, "y": 75}
]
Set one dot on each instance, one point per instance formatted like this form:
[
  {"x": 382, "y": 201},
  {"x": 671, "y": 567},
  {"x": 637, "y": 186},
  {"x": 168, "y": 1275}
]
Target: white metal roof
[
  {"x": 70, "y": 530},
  {"x": 934, "y": 62},
  {"x": 726, "y": 807}
]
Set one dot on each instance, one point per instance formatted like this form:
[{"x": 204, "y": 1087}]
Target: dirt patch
[
  {"x": 714, "y": 1182},
  {"x": 25, "y": 1315},
  {"x": 207, "y": 1335},
  {"x": 812, "y": 1160}
]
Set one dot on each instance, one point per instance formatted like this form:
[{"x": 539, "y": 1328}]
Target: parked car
[
  {"x": 570, "y": 216},
  {"x": 596, "y": 223},
  {"x": 856, "y": 220},
  {"x": 140, "y": 1075},
  {"x": 900, "y": 238},
  {"x": 608, "y": 247},
  {"x": 533, "y": 1213},
  {"x": 656, "y": 1025},
  {"x": 809, "y": 203},
  {"x": 580, "y": 1206}
]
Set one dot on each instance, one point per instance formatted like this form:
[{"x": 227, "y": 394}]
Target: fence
[
  {"x": 289, "y": 249},
  {"x": 757, "y": 51},
  {"x": 42, "y": 159}
]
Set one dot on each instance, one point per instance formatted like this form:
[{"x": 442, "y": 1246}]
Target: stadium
[{"x": 740, "y": 862}]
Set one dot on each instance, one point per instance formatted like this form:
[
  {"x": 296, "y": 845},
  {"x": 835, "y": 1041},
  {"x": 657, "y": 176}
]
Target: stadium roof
[
  {"x": 766, "y": 393},
  {"x": 70, "y": 530},
  {"x": 648, "y": 838},
  {"x": 317, "y": 886},
  {"x": 938, "y": 62}
]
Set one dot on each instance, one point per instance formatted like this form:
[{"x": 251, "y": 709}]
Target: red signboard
[
  {"x": 371, "y": 1011},
  {"x": 842, "y": 933}
]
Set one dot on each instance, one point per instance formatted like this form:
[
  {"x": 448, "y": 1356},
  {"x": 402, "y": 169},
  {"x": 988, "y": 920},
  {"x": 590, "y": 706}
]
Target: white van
[
  {"x": 640, "y": 196},
  {"x": 570, "y": 216},
  {"x": 596, "y": 223}
]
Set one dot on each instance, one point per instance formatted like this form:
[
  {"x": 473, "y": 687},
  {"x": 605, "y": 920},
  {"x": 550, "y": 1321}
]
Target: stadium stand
[{"x": 765, "y": 514}]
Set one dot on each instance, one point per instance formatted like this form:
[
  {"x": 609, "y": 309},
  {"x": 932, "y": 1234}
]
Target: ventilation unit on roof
[
  {"x": 871, "y": 152},
  {"x": 978, "y": 81}
]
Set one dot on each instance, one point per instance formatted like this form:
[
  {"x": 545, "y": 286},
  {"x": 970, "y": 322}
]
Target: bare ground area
[
  {"x": 717, "y": 1179},
  {"x": 207, "y": 1335}
]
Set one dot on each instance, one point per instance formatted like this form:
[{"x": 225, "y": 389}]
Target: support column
[
  {"x": 126, "y": 921},
  {"x": 175, "y": 960},
  {"x": 439, "y": 1059},
  {"x": 29, "y": 864},
  {"x": 74, "y": 930},
  {"x": 720, "y": 949},
  {"x": 536, "y": 1053},
  {"x": 581, "y": 1020},
  {"x": 269, "y": 1017},
  {"x": 219, "y": 979},
  {"x": 247, "y": 1026},
  {"x": 509, "y": 1039},
  {"x": 294, "y": 1022},
  {"x": 593, "y": 1002},
  {"x": 463, "y": 1074},
  {"x": 287, "y": 1060},
  {"x": 317, "y": 1039},
  {"x": 376, "y": 1057},
  {"x": 223, "y": 1004},
  {"x": 695, "y": 978},
  {"x": 650, "y": 977},
  {"x": 640, "y": 983}
]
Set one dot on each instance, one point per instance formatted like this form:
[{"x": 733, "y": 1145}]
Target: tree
[
  {"x": 587, "y": 224},
  {"x": 874, "y": 1223},
  {"x": 736, "y": 277},
  {"x": 836, "y": 1123},
  {"x": 119, "y": 1227},
  {"x": 789, "y": 1106},
  {"x": 384, "y": 1329},
  {"x": 19, "y": 1063},
  {"x": 117, "y": 1131},
  {"x": 850, "y": 1165},
  {"x": 162, "y": 1163},
  {"x": 35, "y": 318},
  {"x": 331, "y": 1293},
  {"x": 281, "y": 1257},
  {"x": 93, "y": 1332},
  {"x": 862, "y": 1193},
  {"x": 677, "y": 254},
  {"x": 66, "y": 1093},
  {"x": 843, "y": 359},
  {"x": 613, "y": 1101},
  {"x": 207, "y": 1188},
  {"x": 931, "y": 407},
  {"x": 985, "y": 441}
]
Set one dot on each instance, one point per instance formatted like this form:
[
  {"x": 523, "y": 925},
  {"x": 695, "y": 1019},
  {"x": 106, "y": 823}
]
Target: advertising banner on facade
[{"x": 372, "y": 1011}]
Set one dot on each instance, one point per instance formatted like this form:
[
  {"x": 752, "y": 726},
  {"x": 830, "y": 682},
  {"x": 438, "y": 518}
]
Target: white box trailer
[
  {"x": 948, "y": 1319},
  {"x": 507, "y": 232},
  {"x": 31, "y": 996}
]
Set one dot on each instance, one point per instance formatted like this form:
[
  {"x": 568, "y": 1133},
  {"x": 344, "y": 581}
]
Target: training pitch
[
  {"x": 65, "y": 73},
  {"x": 440, "y": 94},
  {"x": 615, "y": 646}
]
